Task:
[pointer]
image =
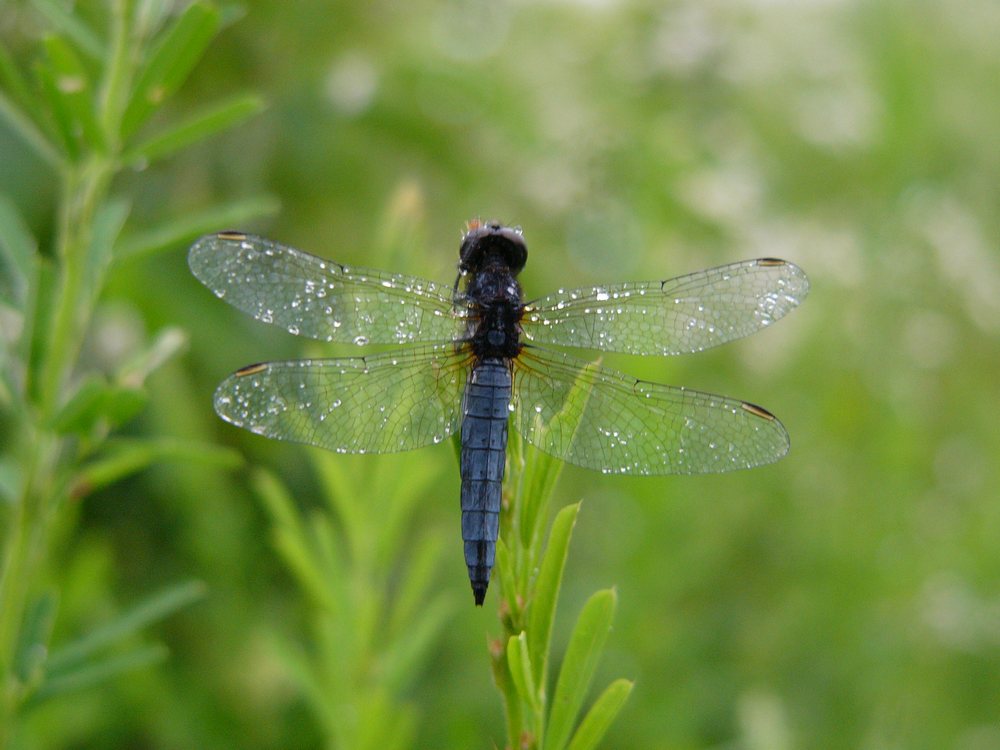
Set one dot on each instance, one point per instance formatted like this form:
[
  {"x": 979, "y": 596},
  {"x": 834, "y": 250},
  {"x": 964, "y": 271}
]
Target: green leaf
[
  {"x": 164, "y": 346},
  {"x": 519, "y": 664},
  {"x": 585, "y": 646},
  {"x": 201, "y": 125},
  {"x": 36, "y": 338},
  {"x": 24, "y": 111},
  {"x": 415, "y": 585},
  {"x": 71, "y": 26},
  {"x": 96, "y": 672},
  {"x": 304, "y": 671},
  {"x": 73, "y": 85},
  {"x": 64, "y": 661},
  {"x": 401, "y": 660},
  {"x": 175, "y": 55},
  {"x": 59, "y": 109},
  {"x": 182, "y": 231},
  {"x": 504, "y": 570},
  {"x": 33, "y": 646},
  {"x": 541, "y": 471},
  {"x": 601, "y": 715},
  {"x": 108, "y": 223},
  {"x": 96, "y": 400},
  {"x": 292, "y": 540},
  {"x": 13, "y": 82},
  {"x": 40, "y": 135},
  {"x": 84, "y": 409},
  {"x": 17, "y": 255},
  {"x": 542, "y": 610},
  {"x": 122, "y": 458}
]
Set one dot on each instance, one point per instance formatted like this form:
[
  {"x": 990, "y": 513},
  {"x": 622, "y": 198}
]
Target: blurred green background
[{"x": 846, "y": 597}]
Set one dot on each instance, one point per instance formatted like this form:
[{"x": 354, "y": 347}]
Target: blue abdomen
[{"x": 484, "y": 449}]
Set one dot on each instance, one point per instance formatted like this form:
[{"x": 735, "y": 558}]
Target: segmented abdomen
[{"x": 484, "y": 447}]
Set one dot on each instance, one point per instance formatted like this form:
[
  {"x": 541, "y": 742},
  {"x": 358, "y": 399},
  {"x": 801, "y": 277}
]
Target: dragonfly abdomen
[{"x": 484, "y": 448}]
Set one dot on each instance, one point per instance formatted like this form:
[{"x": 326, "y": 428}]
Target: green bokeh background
[{"x": 846, "y": 597}]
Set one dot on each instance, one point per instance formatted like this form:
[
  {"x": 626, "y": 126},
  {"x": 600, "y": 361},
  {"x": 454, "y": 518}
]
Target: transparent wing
[
  {"x": 686, "y": 314},
  {"x": 602, "y": 419},
  {"x": 383, "y": 403},
  {"x": 321, "y": 299}
]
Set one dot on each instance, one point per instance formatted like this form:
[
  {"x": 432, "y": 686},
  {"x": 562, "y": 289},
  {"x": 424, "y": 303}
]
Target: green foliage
[
  {"x": 531, "y": 573},
  {"x": 81, "y": 113},
  {"x": 373, "y": 613},
  {"x": 844, "y": 597}
]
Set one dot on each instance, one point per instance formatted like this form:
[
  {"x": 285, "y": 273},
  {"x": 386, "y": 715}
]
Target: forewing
[
  {"x": 602, "y": 419},
  {"x": 383, "y": 403},
  {"x": 686, "y": 314},
  {"x": 321, "y": 299}
]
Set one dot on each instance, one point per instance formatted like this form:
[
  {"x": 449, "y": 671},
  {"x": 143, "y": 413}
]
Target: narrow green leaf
[
  {"x": 290, "y": 537},
  {"x": 156, "y": 607},
  {"x": 33, "y": 646},
  {"x": 175, "y": 55},
  {"x": 330, "y": 561},
  {"x": 306, "y": 672},
  {"x": 542, "y": 609},
  {"x": 416, "y": 584},
  {"x": 121, "y": 458},
  {"x": 402, "y": 657},
  {"x": 165, "y": 345},
  {"x": 108, "y": 223},
  {"x": 184, "y": 230},
  {"x": 24, "y": 111},
  {"x": 504, "y": 570},
  {"x": 36, "y": 338},
  {"x": 39, "y": 133},
  {"x": 95, "y": 673},
  {"x": 10, "y": 479},
  {"x": 585, "y": 646},
  {"x": 13, "y": 82},
  {"x": 71, "y": 26},
  {"x": 58, "y": 108},
  {"x": 150, "y": 15},
  {"x": 541, "y": 470},
  {"x": 601, "y": 715},
  {"x": 198, "y": 127},
  {"x": 404, "y": 492},
  {"x": 96, "y": 400},
  {"x": 340, "y": 491},
  {"x": 84, "y": 408},
  {"x": 17, "y": 251},
  {"x": 519, "y": 663},
  {"x": 73, "y": 84},
  {"x": 121, "y": 403}
]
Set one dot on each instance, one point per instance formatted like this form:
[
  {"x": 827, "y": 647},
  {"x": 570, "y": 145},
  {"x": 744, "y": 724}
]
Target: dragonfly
[{"x": 474, "y": 357}]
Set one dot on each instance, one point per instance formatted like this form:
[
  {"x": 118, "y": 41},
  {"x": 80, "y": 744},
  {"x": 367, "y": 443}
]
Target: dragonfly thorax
[{"x": 495, "y": 302}]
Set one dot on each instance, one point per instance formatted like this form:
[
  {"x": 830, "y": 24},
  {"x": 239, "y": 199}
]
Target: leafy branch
[
  {"x": 530, "y": 568},
  {"x": 85, "y": 112}
]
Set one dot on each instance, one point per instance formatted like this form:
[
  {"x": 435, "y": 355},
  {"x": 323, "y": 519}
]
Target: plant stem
[
  {"x": 84, "y": 188},
  {"x": 85, "y": 185}
]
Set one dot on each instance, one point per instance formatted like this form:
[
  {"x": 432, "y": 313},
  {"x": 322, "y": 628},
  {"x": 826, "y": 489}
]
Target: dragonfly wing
[
  {"x": 318, "y": 298},
  {"x": 602, "y": 419},
  {"x": 686, "y": 314},
  {"x": 384, "y": 403}
]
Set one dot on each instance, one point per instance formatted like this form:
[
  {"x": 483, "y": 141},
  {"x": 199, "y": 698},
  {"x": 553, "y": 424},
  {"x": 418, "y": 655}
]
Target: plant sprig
[
  {"x": 85, "y": 110},
  {"x": 530, "y": 567}
]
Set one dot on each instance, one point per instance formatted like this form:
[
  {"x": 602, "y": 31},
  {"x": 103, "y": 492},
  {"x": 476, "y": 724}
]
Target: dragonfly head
[{"x": 486, "y": 243}]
